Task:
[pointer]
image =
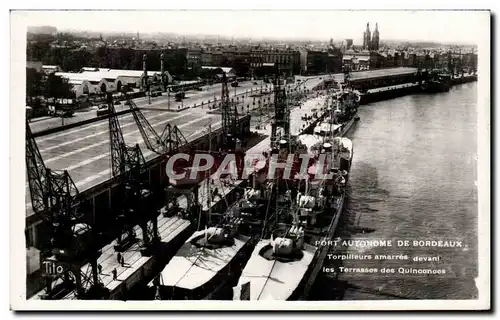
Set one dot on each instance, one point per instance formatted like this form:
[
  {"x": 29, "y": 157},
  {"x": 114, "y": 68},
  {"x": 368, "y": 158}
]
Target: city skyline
[{"x": 460, "y": 27}]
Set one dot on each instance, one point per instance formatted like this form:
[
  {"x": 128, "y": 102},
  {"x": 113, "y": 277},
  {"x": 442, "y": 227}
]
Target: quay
[
  {"x": 83, "y": 149},
  {"x": 139, "y": 269},
  {"x": 85, "y": 152}
]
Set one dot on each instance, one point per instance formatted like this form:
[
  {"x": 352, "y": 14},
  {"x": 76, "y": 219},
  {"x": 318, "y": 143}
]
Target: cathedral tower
[
  {"x": 366, "y": 37},
  {"x": 375, "y": 39}
]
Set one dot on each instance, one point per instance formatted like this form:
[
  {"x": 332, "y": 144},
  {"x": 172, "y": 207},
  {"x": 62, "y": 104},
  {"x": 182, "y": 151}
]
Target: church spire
[
  {"x": 375, "y": 39},
  {"x": 367, "y": 37}
]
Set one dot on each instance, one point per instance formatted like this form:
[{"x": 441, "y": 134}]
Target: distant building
[
  {"x": 287, "y": 60},
  {"x": 360, "y": 61},
  {"x": 318, "y": 62},
  {"x": 348, "y": 43},
  {"x": 194, "y": 59}
]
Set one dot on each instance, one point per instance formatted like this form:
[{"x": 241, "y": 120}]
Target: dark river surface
[{"x": 413, "y": 178}]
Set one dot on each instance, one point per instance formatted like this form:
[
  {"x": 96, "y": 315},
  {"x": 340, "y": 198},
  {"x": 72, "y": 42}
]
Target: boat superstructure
[
  {"x": 307, "y": 206},
  {"x": 284, "y": 260}
]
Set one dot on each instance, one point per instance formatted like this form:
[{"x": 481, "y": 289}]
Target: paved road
[
  {"x": 192, "y": 97},
  {"x": 84, "y": 151}
]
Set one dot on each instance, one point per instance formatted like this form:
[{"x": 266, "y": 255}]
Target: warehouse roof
[
  {"x": 380, "y": 73},
  {"x": 224, "y": 69},
  {"x": 110, "y": 75}
]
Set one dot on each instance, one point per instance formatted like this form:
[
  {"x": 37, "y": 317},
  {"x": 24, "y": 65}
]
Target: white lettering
[
  {"x": 169, "y": 168},
  {"x": 288, "y": 166},
  {"x": 197, "y": 167},
  {"x": 320, "y": 168},
  {"x": 305, "y": 158},
  {"x": 228, "y": 166},
  {"x": 251, "y": 162},
  {"x": 273, "y": 165}
]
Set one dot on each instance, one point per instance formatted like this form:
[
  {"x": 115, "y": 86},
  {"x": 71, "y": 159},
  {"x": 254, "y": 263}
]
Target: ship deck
[
  {"x": 193, "y": 266},
  {"x": 272, "y": 279}
]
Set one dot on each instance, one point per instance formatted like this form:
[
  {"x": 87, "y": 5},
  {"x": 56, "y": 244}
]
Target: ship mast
[{"x": 209, "y": 190}]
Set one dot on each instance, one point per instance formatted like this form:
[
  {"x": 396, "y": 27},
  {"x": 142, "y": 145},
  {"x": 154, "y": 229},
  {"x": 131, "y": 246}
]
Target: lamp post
[{"x": 149, "y": 92}]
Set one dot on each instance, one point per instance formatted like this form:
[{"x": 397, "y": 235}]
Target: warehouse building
[{"x": 99, "y": 80}]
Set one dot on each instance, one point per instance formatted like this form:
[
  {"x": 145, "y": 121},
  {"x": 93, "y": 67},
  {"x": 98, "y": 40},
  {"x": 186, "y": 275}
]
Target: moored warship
[{"x": 211, "y": 261}]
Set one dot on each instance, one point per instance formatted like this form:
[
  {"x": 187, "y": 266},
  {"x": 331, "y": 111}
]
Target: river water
[{"x": 413, "y": 178}]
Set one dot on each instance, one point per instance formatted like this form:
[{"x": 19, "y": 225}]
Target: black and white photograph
[{"x": 250, "y": 159}]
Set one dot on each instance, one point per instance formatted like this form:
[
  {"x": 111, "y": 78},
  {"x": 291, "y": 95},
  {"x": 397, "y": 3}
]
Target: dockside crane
[
  {"x": 230, "y": 117},
  {"x": 128, "y": 165},
  {"x": 170, "y": 140},
  {"x": 70, "y": 256},
  {"x": 281, "y": 113}
]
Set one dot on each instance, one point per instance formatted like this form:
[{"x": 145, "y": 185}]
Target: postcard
[{"x": 315, "y": 160}]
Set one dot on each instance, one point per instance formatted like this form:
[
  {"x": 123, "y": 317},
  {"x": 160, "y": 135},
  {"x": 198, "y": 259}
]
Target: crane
[
  {"x": 229, "y": 117},
  {"x": 166, "y": 144},
  {"x": 281, "y": 111},
  {"x": 170, "y": 140},
  {"x": 128, "y": 165},
  {"x": 73, "y": 242}
]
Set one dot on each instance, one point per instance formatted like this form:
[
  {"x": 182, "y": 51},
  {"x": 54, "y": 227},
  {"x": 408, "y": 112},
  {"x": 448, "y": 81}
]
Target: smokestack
[
  {"x": 162, "y": 70},
  {"x": 145, "y": 69}
]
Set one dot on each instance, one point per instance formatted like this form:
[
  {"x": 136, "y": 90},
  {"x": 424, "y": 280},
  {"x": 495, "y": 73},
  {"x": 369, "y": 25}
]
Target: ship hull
[
  {"x": 344, "y": 128},
  {"x": 298, "y": 290},
  {"x": 308, "y": 280},
  {"x": 435, "y": 87}
]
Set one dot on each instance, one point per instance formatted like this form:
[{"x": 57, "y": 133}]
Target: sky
[{"x": 435, "y": 26}]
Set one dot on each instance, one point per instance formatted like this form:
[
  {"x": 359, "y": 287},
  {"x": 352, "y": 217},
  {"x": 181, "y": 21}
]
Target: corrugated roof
[
  {"x": 90, "y": 76},
  {"x": 378, "y": 73},
  {"x": 109, "y": 75}
]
